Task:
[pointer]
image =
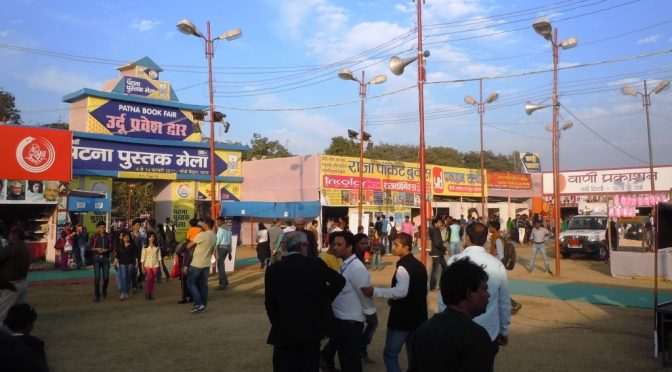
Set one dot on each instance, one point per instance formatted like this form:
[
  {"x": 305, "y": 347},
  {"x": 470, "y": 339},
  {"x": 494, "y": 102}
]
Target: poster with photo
[
  {"x": 16, "y": 190},
  {"x": 35, "y": 191}
]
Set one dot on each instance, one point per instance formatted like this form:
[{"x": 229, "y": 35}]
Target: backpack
[
  {"x": 509, "y": 259},
  {"x": 393, "y": 233}
]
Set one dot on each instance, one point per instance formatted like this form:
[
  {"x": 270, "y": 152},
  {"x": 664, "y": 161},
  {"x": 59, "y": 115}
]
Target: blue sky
[{"x": 280, "y": 78}]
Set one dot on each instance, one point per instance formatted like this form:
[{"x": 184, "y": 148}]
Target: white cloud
[
  {"x": 143, "y": 25},
  {"x": 58, "y": 81},
  {"x": 651, "y": 39},
  {"x": 5, "y": 33}
]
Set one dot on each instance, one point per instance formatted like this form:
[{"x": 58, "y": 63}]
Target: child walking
[{"x": 151, "y": 261}]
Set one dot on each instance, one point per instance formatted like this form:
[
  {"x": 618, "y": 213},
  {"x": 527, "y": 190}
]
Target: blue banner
[
  {"x": 95, "y": 154},
  {"x": 139, "y": 120},
  {"x": 138, "y": 87},
  {"x": 82, "y": 204}
]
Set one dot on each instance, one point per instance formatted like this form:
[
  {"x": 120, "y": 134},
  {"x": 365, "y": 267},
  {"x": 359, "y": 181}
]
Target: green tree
[
  {"x": 9, "y": 114},
  {"x": 263, "y": 148},
  {"x": 340, "y": 146},
  {"x": 439, "y": 155}
]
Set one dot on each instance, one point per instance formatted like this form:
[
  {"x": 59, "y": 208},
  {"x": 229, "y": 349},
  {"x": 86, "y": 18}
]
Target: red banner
[
  {"x": 36, "y": 154},
  {"x": 505, "y": 180}
]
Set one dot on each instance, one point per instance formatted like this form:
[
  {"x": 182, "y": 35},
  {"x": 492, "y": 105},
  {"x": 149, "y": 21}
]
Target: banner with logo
[
  {"x": 136, "y": 86},
  {"x": 183, "y": 197},
  {"x": 139, "y": 120},
  {"x": 35, "y": 154},
  {"x": 227, "y": 191},
  {"x": 512, "y": 181},
  {"x": 530, "y": 162},
  {"x": 613, "y": 181},
  {"x": 391, "y": 183},
  {"x": 151, "y": 161},
  {"x": 455, "y": 181},
  {"x": 383, "y": 182}
]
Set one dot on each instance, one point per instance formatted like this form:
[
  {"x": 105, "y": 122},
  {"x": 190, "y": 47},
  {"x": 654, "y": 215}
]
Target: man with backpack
[{"x": 504, "y": 250}]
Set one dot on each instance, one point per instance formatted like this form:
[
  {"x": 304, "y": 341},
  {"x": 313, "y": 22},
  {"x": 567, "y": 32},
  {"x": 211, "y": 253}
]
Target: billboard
[
  {"x": 391, "y": 182},
  {"x": 144, "y": 161},
  {"x": 530, "y": 162},
  {"x": 141, "y": 120},
  {"x": 35, "y": 154},
  {"x": 612, "y": 181},
  {"x": 511, "y": 181}
]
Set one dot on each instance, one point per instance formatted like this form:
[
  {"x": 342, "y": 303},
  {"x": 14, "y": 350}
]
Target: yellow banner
[
  {"x": 227, "y": 191},
  {"x": 184, "y": 196},
  {"x": 390, "y": 182},
  {"x": 233, "y": 161},
  {"x": 148, "y": 176},
  {"x": 456, "y": 181}
]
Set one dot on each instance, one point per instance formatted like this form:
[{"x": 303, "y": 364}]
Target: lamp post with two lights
[
  {"x": 188, "y": 28},
  {"x": 346, "y": 74}
]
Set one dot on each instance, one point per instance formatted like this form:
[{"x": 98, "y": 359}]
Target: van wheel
[{"x": 565, "y": 255}]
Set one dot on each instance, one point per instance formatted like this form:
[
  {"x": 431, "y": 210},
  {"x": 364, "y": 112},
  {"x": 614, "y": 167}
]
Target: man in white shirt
[
  {"x": 497, "y": 316},
  {"x": 538, "y": 236},
  {"x": 351, "y": 308}
]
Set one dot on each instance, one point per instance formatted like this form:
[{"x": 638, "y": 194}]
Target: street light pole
[
  {"x": 360, "y": 196},
  {"x": 481, "y": 111},
  {"x": 346, "y": 74},
  {"x": 209, "y": 54},
  {"x": 421, "y": 148},
  {"x": 646, "y": 102},
  {"x": 556, "y": 156},
  {"x": 543, "y": 27},
  {"x": 187, "y": 27},
  {"x": 397, "y": 66}
]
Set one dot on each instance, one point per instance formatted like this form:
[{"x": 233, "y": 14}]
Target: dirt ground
[{"x": 161, "y": 335}]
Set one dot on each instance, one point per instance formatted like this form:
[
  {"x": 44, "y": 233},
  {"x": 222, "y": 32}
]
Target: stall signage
[
  {"x": 35, "y": 154},
  {"x": 530, "y": 162},
  {"x": 391, "y": 182},
  {"x": 505, "y": 180},
  {"x": 141, "y": 87},
  {"x": 139, "y": 120},
  {"x": 125, "y": 157},
  {"x": 612, "y": 181}
]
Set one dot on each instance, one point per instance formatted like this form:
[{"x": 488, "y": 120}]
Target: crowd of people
[
  {"x": 309, "y": 300},
  {"x": 138, "y": 256}
]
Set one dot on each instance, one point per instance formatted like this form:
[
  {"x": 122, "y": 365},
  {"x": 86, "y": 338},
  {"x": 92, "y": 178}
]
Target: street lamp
[
  {"x": 188, "y": 28},
  {"x": 646, "y": 102},
  {"x": 346, "y": 74},
  {"x": 397, "y": 67},
  {"x": 481, "y": 110},
  {"x": 543, "y": 27}
]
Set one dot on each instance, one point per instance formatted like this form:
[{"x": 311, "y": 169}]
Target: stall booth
[
  {"x": 36, "y": 166},
  {"x": 663, "y": 316}
]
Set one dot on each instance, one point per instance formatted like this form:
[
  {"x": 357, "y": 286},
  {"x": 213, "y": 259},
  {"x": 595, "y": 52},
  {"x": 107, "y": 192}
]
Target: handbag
[{"x": 68, "y": 246}]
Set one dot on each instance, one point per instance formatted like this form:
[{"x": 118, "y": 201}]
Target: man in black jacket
[
  {"x": 407, "y": 299},
  {"x": 451, "y": 340},
  {"x": 438, "y": 252},
  {"x": 295, "y": 292}
]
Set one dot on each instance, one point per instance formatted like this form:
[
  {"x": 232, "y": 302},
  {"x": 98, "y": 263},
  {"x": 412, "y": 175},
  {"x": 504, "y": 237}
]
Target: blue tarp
[{"x": 308, "y": 209}]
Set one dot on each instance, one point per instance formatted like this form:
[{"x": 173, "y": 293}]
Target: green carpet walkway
[
  {"x": 594, "y": 294},
  {"x": 583, "y": 292}
]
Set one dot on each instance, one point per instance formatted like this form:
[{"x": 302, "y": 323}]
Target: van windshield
[{"x": 591, "y": 223}]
